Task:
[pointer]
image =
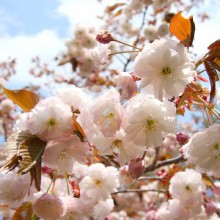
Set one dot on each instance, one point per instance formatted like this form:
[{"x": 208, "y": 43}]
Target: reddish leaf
[{"x": 213, "y": 77}]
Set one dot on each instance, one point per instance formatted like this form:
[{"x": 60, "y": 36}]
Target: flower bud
[
  {"x": 136, "y": 167},
  {"x": 125, "y": 177},
  {"x": 210, "y": 208},
  {"x": 104, "y": 37},
  {"x": 49, "y": 207},
  {"x": 182, "y": 138}
]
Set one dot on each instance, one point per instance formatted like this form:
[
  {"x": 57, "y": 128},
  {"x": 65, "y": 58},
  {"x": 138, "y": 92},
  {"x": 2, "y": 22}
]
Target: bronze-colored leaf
[
  {"x": 78, "y": 129},
  {"x": 183, "y": 29},
  {"x": 208, "y": 181},
  {"x": 215, "y": 45},
  {"x": 24, "y": 212},
  {"x": 110, "y": 9},
  {"x": 28, "y": 150},
  {"x": 23, "y": 98},
  {"x": 36, "y": 175},
  {"x": 119, "y": 12},
  {"x": 213, "y": 77}
]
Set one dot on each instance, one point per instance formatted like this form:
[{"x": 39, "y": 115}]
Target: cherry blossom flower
[
  {"x": 100, "y": 182},
  {"x": 187, "y": 186},
  {"x": 101, "y": 53},
  {"x": 120, "y": 144},
  {"x": 102, "y": 209},
  {"x": 73, "y": 96},
  {"x": 203, "y": 150},
  {"x": 105, "y": 114},
  {"x": 126, "y": 84},
  {"x": 13, "y": 188},
  {"x": 149, "y": 120},
  {"x": 166, "y": 66},
  {"x": 49, "y": 207},
  {"x": 62, "y": 153},
  {"x": 50, "y": 119}
]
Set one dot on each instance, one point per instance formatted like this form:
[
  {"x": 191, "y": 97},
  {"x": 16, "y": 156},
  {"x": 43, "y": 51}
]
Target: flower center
[
  {"x": 116, "y": 144},
  {"x": 166, "y": 71},
  {"x": 98, "y": 182},
  {"x": 110, "y": 115},
  {"x": 51, "y": 122},
  {"x": 151, "y": 125},
  {"x": 188, "y": 188},
  {"x": 216, "y": 151}
]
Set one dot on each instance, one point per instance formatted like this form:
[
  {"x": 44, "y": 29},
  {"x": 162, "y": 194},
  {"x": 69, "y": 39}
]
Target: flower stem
[{"x": 129, "y": 45}]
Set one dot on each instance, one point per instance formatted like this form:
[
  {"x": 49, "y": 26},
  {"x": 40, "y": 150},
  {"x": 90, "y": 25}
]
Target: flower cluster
[{"x": 117, "y": 154}]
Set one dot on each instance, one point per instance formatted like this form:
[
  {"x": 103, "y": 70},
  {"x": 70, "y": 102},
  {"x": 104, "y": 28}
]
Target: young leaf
[
  {"x": 213, "y": 77},
  {"x": 23, "y": 98},
  {"x": 183, "y": 29},
  {"x": 24, "y": 212},
  {"x": 28, "y": 150}
]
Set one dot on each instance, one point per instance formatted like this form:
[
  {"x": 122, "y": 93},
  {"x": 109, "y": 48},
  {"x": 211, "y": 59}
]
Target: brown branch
[{"x": 174, "y": 160}]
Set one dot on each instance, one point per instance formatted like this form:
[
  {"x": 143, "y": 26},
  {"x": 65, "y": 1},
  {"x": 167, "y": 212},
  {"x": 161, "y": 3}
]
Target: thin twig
[
  {"x": 174, "y": 160},
  {"x": 137, "y": 39},
  {"x": 139, "y": 191}
]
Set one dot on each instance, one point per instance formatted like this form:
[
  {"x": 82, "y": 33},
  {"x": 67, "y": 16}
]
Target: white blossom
[
  {"x": 165, "y": 66},
  {"x": 187, "y": 186},
  {"x": 49, "y": 207},
  {"x": 61, "y": 154},
  {"x": 102, "y": 209},
  {"x": 100, "y": 182},
  {"x": 203, "y": 150},
  {"x": 149, "y": 120},
  {"x": 50, "y": 119},
  {"x": 101, "y": 53}
]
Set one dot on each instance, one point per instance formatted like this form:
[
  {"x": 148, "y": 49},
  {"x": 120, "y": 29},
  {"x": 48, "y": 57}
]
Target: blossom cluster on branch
[{"x": 118, "y": 154}]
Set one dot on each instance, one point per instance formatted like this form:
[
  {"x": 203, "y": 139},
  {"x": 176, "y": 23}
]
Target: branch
[
  {"x": 174, "y": 160},
  {"x": 139, "y": 191},
  {"x": 137, "y": 39}
]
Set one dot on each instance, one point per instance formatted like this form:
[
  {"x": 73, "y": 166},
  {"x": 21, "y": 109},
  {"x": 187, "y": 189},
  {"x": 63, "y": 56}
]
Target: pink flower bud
[
  {"x": 210, "y": 208},
  {"x": 49, "y": 207},
  {"x": 136, "y": 167},
  {"x": 151, "y": 215},
  {"x": 104, "y": 37},
  {"x": 182, "y": 138},
  {"x": 125, "y": 177}
]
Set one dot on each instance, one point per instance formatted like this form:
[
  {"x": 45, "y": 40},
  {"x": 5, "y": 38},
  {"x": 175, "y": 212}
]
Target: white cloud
[
  {"x": 46, "y": 44},
  {"x": 83, "y": 12}
]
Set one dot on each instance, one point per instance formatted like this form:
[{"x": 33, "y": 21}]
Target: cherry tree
[{"x": 107, "y": 145}]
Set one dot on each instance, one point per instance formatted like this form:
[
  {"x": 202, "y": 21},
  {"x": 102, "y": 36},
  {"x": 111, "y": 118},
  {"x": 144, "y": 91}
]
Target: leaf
[
  {"x": 119, "y": 12},
  {"x": 23, "y": 98},
  {"x": 183, "y": 29},
  {"x": 28, "y": 150},
  {"x": 208, "y": 181},
  {"x": 213, "y": 77},
  {"x": 110, "y": 9},
  {"x": 215, "y": 45},
  {"x": 24, "y": 212},
  {"x": 78, "y": 129}
]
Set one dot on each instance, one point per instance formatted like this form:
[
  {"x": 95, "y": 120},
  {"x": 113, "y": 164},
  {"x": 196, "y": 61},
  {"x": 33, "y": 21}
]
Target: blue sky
[
  {"x": 30, "y": 17},
  {"x": 41, "y": 27}
]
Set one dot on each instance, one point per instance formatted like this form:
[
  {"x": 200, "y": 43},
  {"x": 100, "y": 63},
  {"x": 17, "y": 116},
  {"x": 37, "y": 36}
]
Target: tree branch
[
  {"x": 174, "y": 160},
  {"x": 139, "y": 191}
]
